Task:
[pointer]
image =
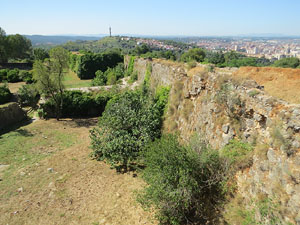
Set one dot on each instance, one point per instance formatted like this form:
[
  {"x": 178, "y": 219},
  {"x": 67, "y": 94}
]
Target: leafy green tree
[
  {"x": 215, "y": 57},
  {"x": 28, "y": 96},
  {"x": 40, "y": 54},
  {"x": 129, "y": 121},
  {"x": 287, "y": 63},
  {"x": 3, "y": 46},
  {"x": 142, "y": 49},
  {"x": 19, "y": 47},
  {"x": 49, "y": 76},
  {"x": 196, "y": 54}
]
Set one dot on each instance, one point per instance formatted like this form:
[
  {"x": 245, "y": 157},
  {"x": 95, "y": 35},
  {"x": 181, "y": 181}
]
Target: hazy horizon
[{"x": 155, "y": 18}]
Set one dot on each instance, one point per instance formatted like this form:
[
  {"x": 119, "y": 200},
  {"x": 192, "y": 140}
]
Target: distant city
[{"x": 269, "y": 48}]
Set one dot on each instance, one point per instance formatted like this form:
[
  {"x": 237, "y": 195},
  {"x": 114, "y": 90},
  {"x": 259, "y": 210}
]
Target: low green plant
[
  {"x": 183, "y": 184},
  {"x": 3, "y": 75},
  {"x": 133, "y": 77},
  {"x": 13, "y": 76},
  {"x": 279, "y": 141},
  {"x": 253, "y": 93},
  {"x": 238, "y": 154},
  {"x": 191, "y": 64},
  {"x": 5, "y": 94},
  {"x": 130, "y": 66}
]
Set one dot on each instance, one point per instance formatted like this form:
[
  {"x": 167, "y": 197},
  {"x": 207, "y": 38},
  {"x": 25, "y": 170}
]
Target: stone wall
[
  {"x": 220, "y": 107},
  {"x": 10, "y": 114}
]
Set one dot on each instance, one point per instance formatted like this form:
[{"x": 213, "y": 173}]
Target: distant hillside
[
  {"x": 44, "y": 40},
  {"x": 124, "y": 43}
]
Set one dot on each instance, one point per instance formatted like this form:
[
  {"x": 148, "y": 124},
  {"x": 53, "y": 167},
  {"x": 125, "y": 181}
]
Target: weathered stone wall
[
  {"x": 220, "y": 107},
  {"x": 10, "y": 114}
]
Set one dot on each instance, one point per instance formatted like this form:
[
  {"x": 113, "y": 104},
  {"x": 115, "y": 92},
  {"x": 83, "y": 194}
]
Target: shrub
[
  {"x": 28, "y": 96},
  {"x": 194, "y": 54},
  {"x": 100, "y": 79},
  {"x": 192, "y": 64},
  {"x": 129, "y": 121},
  {"x": 287, "y": 63},
  {"x": 26, "y": 76},
  {"x": 3, "y": 74},
  {"x": 13, "y": 76},
  {"x": 76, "y": 103},
  {"x": 89, "y": 63},
  {"x": 111, "y": 77},
  {"x": 238, "y": 154},
  {"x": 130, "y": 66},
  {"x": 133, "y": 77},
  {"x": 182, "y": 184},
  {"x": 5, "y": 94}
]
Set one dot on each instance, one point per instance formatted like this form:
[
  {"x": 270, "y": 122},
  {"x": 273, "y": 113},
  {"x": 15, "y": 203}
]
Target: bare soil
[{"x": 76, "y": 190}]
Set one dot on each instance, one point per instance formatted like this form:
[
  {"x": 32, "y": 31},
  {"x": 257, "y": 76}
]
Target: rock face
[
  {"x": 221, "y": 107},
  {"x": 10, "y": 114}
]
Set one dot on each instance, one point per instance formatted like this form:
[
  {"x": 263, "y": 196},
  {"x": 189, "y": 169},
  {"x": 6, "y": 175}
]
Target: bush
[
  {"x": 129, "y": 121},
  {"x": 28, "y": 96},
  {"x": 89, "y": 63},
  {"x": 76, "y": 103},
  {"x": 287, "y": 63},
  {"x": 182, "y": 185},
  {"x": 110, "y": 76},
  {"x": 5, "y": 94},
  {"x": 194, "y": 54},
  {"x": 26, "y": 76},
  {"x": 3, "y": 74},
  {"x": 13, "y": 76},
  {"x": 238, "y": 154},
  {"x": 100, "y": 79}
]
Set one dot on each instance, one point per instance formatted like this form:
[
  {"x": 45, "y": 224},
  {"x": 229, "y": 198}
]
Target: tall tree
[
  {"x": 3, "y": 53},
  {"x": 19, "y": 47},
  {"x": 40, "y": 54},
  {"x": 49, "y": 76}
]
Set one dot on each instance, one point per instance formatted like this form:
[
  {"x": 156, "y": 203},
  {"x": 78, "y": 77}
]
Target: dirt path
[{"x": 70, "y": 188}]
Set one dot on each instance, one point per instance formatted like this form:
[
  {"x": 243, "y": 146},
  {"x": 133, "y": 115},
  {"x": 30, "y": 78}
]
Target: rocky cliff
[{"x": 220, "y": 106}]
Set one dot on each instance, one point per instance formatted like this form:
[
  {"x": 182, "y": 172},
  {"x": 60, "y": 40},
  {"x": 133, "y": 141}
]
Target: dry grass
[
  {"x": 196, "y": 70},
  {"x": 14, "y": 87},
  {"x": 282, "y": 83},
  {"x": 78, "y": 191}
]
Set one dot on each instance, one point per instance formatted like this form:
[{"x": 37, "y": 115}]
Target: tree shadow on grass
[
  {"x": 16, "y": 127},
  {"x": 80, "y": 122}
]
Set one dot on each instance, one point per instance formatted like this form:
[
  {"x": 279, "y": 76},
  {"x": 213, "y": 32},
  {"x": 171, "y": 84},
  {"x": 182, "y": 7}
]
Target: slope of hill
[
  {"x": 45, "y": 40},
  {"x": 282, "y": 83},
  {"x": 103, "y": 44}
]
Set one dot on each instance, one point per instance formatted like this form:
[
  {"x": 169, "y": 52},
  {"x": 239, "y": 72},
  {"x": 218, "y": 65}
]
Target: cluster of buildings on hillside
[
  {"x": 151, "y": 42},
  {"x": 156, "y": 44},
  {"x": 268, "y": 48}
]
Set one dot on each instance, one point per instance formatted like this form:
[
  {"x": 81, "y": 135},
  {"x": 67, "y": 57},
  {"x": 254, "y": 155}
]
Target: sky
[{"x": 151, "y": 17}]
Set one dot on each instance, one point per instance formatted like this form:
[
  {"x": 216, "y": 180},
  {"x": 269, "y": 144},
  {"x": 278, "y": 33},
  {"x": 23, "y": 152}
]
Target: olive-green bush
[{"x": 5, "y": 94}]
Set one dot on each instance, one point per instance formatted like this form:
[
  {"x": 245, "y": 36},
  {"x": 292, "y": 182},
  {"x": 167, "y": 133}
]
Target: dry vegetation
[
  {"x": 78, "y": 190},
  {"x": 282, "y": 83}
]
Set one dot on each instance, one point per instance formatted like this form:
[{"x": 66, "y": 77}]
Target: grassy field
[
  {"x": 49, "y": 178},
  {"x": 72, "y": 81}
]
